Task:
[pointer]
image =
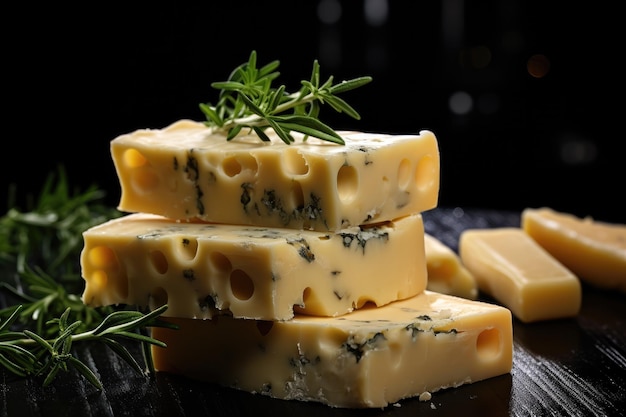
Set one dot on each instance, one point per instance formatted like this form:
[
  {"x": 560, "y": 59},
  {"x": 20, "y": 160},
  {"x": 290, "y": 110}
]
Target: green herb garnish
[
  {"x": 248, "y": 100},
  {"x": 42, "y": 314},
  {"x": 26, "y": 353}
]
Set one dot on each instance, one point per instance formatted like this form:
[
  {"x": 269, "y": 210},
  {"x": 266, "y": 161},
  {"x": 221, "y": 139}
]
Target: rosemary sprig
[
  {"x": 49, "y": 230},
  {"x": 248, "y": 100},
  {"x": 26, "y": 353},
  {"x": 40, "y": 248},
  {"x": 40, "y": 285}
]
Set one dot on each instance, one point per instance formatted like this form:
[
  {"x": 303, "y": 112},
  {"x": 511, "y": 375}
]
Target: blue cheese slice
[
  {"x": 370, "y": 358},
  {"x": 186, "y": 172},
  {"x": 265, "y": 273}
]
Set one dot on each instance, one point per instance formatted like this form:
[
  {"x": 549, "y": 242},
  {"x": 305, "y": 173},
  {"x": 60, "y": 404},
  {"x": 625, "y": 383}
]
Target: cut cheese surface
[
  {"x": 184, "y": 172},
  {"x": 595, "y": 251},
  {"x": 510, "y": 266},
  {"x": 369, "y": 358},
  {"x": 252, "y": 272},
  {"x": 446, "y": 272}
]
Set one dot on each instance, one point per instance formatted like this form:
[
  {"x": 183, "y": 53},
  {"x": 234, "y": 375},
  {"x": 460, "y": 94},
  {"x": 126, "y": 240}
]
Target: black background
[{"x": 75, "y": 78}]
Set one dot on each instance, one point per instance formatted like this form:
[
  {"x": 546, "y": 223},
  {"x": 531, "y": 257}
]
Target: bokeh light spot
[
  {"x": 376, "y": 12},
  {"x": 329, "y": 11},
  {"x": 538, "y": 66},
  {"x": 576, "y": 150},
  {"x": 460, "y": 103}
]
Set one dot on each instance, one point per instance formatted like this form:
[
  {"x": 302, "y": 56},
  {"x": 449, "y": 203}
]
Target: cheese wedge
[
  {"x": 369, "y": 358},
  {"x": 595, "y": 251},
  {"x": 251, "y": 272},
  {"x": 446, "y": 272},
  {"x": 184, "y": 172},
  {"x": 510, "y": 266}
]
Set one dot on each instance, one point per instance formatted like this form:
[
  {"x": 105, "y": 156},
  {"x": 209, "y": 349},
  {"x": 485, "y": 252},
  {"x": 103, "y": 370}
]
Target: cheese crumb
[{"x": 425, "y": 396}]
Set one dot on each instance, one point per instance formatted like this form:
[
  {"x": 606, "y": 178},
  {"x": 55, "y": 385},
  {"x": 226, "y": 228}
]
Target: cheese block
[
  {"x": 510, "y": 266},
  {"x": 446, "y": 273},
  {"x": 185, "y": 172},
  {"x": 370, "y": 358},
  {"x": 595, "y": 251},
  {"x": 252, "y": 272}
]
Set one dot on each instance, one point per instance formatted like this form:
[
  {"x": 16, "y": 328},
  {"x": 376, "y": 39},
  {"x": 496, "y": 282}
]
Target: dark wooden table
[{"x": 570, "y": 367}]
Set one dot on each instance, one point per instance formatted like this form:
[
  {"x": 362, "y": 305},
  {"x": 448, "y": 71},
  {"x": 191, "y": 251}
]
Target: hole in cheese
[
  {"x": 241, "y": 285},
  {"x": 233, "y": 165},
  {"x": 98, "y": 280},
  {"x": 426, "y": 172},
  {"x": 158, "y": 298},
  {"x": 134, "y": 159},
  {"x": 248, "y": 163},
  {"x": 220, "y": 262},
  {"x": 347, "y": 183},
  {"x": 141, "y": 177},
  {"x": 311, "y": 303},
  {"x": 107, "y": 273},
  {"x": 294, "y": 162},
  {"x": 306, "y": 296},
  {"x": 364, "y": 303},
  {"x": 103, "y": 257},
  {"x": 159, "y": 262},
  {"x": 404, "y": 173},
  {"x": 488, "y": 344}
]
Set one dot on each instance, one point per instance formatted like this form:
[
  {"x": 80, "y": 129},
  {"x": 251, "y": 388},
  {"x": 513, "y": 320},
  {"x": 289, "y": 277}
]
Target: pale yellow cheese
[
  {"x": 369, "y": 358},
  {"x": 184, "y": 171},
  {"x": 446, "y": 272},
  {"x": 510, "y": 266},
  {"x": 252, "y": 272},
  {"x": 595, "y": 251}
]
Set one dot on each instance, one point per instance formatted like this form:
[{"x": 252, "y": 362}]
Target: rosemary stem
[
  {"x": 255, "y": 120},
  {"x": 28, "y": 342}
]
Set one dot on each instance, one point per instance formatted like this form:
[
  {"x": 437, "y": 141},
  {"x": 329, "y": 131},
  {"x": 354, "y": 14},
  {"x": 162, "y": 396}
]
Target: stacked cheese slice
[{"x": 296, "y": 271}]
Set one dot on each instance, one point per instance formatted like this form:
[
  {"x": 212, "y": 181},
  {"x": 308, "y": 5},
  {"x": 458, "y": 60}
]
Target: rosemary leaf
[
  {"x": 86, "y": 372},
  {"x": 123, "y": 353},
  {"x": 308, "y": 126},
  {"x": 12, "y": 366}
]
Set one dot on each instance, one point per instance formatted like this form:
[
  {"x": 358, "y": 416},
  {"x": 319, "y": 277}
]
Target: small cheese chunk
[
  {"x": 595, "y": 251},
  {"x": 446, "y": 272},
  {"x": 253, "y": 272},
  {"x": 511, "y": 267},
  {"x": 372, "y": 357},
  {"x": 184, "y": 171}
]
